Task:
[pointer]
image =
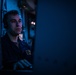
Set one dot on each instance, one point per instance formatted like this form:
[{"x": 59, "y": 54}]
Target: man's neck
[{"x": 13, "y": 38}]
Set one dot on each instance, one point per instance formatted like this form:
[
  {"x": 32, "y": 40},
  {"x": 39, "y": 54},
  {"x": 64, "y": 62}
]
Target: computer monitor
[{"x": 55, "y": 40}]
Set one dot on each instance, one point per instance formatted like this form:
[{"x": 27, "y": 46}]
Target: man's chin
[{"x": 16, "y": 34}]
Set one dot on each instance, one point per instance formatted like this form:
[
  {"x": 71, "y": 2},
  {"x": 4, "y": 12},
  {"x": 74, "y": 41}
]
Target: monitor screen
[{"x": 55, "y": 49}]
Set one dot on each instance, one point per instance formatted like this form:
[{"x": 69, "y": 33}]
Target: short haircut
[{"x": 12, "y": 12}]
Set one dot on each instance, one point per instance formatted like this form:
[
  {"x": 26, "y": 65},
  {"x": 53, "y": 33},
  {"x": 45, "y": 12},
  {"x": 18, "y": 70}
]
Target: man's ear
[{"x": 6, "y": 25}]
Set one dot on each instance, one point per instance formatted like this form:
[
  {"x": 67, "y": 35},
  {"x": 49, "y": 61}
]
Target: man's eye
[
  {"x": 13, "y": 21},
  {"x": 20, "y": 21}
]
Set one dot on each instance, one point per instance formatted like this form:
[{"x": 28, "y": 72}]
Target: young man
[{"x": 16, "y": 53}]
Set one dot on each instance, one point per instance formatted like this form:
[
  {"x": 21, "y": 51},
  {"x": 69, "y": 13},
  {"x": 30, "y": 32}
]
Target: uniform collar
[{"x": 7, "y": 38}]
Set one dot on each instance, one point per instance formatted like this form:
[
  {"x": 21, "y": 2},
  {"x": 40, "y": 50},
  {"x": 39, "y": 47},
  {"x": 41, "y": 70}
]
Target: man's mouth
[{"x": 18, "y": 29}]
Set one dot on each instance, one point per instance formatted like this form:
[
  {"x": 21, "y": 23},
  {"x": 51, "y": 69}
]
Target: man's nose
[{"x": 17, "y": 24}]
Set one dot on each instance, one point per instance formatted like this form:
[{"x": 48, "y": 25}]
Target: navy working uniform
[{"x": 11, "y": 53}]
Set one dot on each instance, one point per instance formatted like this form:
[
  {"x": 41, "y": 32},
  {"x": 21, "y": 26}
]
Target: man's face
[{"x": 14, "y": 25}]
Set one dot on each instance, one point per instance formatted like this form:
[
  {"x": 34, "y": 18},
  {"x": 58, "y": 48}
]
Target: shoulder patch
[{"x": 28, "y": 52}]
